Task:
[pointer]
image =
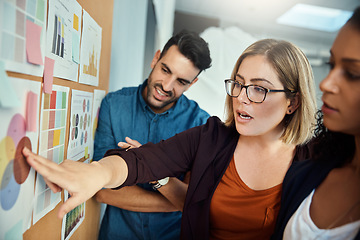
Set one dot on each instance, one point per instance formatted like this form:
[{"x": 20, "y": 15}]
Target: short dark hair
[
  {"x": 192, "y": 46},
  {"x": 354, "y": 20}
]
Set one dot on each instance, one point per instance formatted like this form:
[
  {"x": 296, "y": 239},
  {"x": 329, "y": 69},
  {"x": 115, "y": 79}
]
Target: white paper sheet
[
  {"x": 16, "y": 176},
  {"x": 51, "y": 145},
  {"x": 13, "y": 15},
  {"x": 72, "y": 220},
  {"x": 90, "y": 51},
  {"x": 80, "y": 134},
  {"x": 98, "y": 97},
  {"x": 63, "y": 37}
]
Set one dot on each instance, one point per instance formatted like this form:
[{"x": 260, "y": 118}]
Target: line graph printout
[
  {"x": 63, "y": 37},
  {"x": 51, "y": 145},
  {"x": 90, "y": 51},
  {"x": 20, "y": 129}
]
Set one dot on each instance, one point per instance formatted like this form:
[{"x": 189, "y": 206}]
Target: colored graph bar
[
  {"x": 55, "y": 35},
  {"x": 91, "y": 68}
]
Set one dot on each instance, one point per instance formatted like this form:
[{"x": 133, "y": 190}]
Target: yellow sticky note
[
  {"x": 86, "y": 152},
  {"x": 76, "y": 22},
  {"x": 56, "y": 137}
]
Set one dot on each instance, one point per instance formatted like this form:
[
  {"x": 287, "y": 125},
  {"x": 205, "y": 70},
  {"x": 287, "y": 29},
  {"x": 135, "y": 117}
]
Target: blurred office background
[{"x": 140, "y": 27}]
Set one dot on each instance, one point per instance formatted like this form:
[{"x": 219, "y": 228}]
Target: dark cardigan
[
  {"x": 206, "y": 151},
  {"x": 300, "y": 180}
]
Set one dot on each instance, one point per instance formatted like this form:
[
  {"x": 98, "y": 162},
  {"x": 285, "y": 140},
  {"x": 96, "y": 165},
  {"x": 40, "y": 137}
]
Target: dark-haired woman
[{"x": 321, "y": 197}]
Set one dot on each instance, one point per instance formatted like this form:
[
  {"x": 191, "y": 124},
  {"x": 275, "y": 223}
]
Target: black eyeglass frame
[{"x": 266, "y": 90}]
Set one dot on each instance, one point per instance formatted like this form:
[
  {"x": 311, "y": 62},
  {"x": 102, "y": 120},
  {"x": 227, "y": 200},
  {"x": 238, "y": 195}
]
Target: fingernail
[
  {"x": 26, "y": 150},
  {"x": 120, "y": 144}
]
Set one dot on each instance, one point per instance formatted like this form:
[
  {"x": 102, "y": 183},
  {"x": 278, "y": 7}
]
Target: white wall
[
  {"x": 127, "y": 47},
  {"x": 226, "y": 45},
  {"x": 128, "y": 43}
]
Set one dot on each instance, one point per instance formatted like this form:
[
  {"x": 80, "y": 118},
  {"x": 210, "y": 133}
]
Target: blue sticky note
[
  {"x": 75, "y": 47},
  {"x": 8, "y": 96}
]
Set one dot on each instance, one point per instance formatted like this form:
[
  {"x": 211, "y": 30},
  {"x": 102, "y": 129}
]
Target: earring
[{"x": 289, "y": 111}]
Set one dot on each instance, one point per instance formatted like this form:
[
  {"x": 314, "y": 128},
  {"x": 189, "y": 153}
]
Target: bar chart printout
[
  {"x": 63, "y": 37},
  {"x": 58, "y": 39},
  {"x": 90, "y": 51}
]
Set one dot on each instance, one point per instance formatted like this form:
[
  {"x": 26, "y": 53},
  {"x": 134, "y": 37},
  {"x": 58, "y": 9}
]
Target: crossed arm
[{"x": 134, "y": 198}]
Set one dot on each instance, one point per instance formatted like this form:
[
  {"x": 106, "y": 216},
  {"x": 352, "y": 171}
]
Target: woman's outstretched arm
[{"x": 81, "y": 180}]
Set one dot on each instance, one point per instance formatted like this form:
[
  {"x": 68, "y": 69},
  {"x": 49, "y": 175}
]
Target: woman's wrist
[
  {"x": 102, "y": 173},
  {"x": 113, "y": 171}
]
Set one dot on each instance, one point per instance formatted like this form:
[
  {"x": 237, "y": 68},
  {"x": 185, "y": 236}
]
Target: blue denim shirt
[{"x": 124, "y": 113}]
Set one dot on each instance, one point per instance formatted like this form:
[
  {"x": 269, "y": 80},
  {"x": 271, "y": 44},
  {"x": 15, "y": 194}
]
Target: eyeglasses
[{"x": 254, "y": 93}]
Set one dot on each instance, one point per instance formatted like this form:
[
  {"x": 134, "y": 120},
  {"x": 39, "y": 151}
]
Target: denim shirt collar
[{"x": 175, "y": 107}]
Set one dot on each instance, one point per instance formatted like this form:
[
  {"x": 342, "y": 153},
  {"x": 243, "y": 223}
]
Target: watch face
[{"x": 163, "y": 181}]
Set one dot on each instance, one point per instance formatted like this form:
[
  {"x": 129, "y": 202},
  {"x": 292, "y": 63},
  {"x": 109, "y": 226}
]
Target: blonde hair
[{"x": 295, "y": 73}]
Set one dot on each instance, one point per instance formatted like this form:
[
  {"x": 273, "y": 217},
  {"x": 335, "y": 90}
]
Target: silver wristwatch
[{"x": 160, "y": 183}]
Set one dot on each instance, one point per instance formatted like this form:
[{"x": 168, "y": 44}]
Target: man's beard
[{"x": 150, "y": 96}]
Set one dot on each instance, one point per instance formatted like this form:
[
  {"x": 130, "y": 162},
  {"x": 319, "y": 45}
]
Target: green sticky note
[
  {"x": 75, "y": 47},
  {"x": 86, "y": 152}
]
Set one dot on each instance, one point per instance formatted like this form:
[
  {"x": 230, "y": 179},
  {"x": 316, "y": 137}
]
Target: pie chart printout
[
  {"x": 9, "y": 188},
  {"x": 17, "y": 128},
  {"x": 14, "y": 168},
  {"x": 21, "y": 167}
]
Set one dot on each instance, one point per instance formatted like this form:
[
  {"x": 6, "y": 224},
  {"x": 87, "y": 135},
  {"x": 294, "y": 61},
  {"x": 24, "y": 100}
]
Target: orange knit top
[{"x": 239, "y": 212}]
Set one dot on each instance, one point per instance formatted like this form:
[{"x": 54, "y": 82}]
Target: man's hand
[{"x": 130, "y": 143}]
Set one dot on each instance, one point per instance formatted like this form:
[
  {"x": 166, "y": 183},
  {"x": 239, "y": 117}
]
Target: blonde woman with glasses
[{"x": 237, "y": 167}]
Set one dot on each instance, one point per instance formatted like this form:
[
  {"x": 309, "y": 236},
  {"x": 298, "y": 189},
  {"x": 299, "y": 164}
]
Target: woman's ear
[{"x": 294, "y": 103}]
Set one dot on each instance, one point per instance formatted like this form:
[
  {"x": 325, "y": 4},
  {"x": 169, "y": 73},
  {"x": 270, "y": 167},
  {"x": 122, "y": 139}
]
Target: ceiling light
[{"x": 314, "y": 17}]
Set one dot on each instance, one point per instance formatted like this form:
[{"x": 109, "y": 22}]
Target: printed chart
[
  {"x": 98, "y": 97},
  {"x": 63, "y": 34},
  {"x": 51, "y": 145},
  {"x": 80, "y": 125},
  {"x": 72, "y": 220},
  {"x": 16, "y": 176},
  {"x": 58, "y": 42},
  {"x": 90, "y": 51},
  {"x": 19, "y": 18}
]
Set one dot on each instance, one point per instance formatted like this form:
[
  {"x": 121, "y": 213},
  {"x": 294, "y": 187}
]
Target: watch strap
[{"x": 156, "y": 186}]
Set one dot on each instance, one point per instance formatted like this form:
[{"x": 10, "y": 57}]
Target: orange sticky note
[
  {"x": 76, "y": 22},
  {"x": 31, "y": 111},
  {"x": 33, "y": 49},
  {"x": 48, "y": 75}
]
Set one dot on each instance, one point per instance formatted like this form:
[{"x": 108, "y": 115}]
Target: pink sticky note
[
  {"x": 33, "y": 49},
  {"x": 31, "y": 111},
  {"x": 48, "y": 74}
]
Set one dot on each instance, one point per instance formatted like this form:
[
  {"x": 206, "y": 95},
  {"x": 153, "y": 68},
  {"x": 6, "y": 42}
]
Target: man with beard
[{"x": 151, "y": 112}]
